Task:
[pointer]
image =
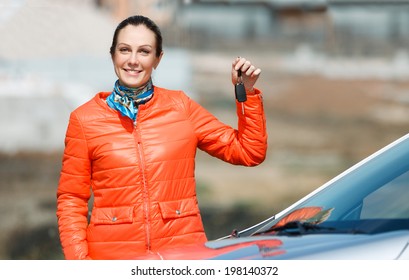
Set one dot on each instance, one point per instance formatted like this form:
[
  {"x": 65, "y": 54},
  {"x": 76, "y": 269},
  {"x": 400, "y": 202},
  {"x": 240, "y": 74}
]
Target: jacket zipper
[{"x": 145, "y": 190}]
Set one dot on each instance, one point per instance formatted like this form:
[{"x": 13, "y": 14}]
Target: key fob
[{"x": 239, "y": 89}]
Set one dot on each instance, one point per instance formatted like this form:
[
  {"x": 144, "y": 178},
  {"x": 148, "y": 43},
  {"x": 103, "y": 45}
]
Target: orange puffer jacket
[{"x": 141, "y": 174}]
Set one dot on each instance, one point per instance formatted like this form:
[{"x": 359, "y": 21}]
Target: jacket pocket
[
  {"x": 112, "y": 215},
  {"x": 179, "y": 208}
]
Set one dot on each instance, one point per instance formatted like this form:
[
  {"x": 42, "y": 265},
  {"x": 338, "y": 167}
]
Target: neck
[{"x": 130, "y": 91}]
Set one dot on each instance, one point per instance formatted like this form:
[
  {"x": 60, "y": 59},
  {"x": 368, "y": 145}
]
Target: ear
[
  {"x": 158, "y": 60},
  {"x": 112, "y": 58}
]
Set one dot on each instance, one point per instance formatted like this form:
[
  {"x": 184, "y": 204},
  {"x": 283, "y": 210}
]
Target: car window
[
  {"x": 377, "y": 189},
  {"x": 389, "y": 201},
  {"x": 371, "y": 196}
]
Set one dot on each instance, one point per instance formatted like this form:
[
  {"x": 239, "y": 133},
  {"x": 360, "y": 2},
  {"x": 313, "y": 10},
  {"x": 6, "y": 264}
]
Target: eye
[
  {"x": 145, "y": 51},
  {"x": 124, "y": 50}
]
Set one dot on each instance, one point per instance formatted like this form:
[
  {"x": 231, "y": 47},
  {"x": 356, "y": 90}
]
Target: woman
[{"x": 134, "y": 148}]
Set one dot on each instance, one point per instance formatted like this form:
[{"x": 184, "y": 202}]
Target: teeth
[{"x": 131, "y": 71}]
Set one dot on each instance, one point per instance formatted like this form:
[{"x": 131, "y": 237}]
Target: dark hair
[{"x": 138, "y": 20}]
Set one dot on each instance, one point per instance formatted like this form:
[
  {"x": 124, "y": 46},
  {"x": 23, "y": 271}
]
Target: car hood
[{"x": 387, "y": 246}]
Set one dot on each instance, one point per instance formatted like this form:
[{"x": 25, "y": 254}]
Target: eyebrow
[{"x": 146, "y": 45}]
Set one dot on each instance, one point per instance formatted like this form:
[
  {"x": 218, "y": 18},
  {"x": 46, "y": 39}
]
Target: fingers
[
  {"x": 241, "y": 63},
  {"x": 256, "y": 72},
  {"x": 246, "y": 67},
  {"x": 250, "y": 73}
]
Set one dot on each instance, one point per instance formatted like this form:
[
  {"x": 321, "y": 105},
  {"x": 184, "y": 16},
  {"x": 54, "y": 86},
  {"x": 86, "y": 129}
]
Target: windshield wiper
[
  {"x": 299, "y": 228},
  {"x": 295, "y": 228}
]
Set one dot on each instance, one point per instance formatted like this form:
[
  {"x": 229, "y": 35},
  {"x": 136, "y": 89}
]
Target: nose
[{"x": 133, "y": 58}]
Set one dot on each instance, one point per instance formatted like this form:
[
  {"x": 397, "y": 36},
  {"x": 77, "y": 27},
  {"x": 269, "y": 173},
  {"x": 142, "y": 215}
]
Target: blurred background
[{"x": 334, "y": 76}]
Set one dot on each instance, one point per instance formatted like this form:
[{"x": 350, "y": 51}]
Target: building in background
[
  {"x": 205, "y": 23},
  {"x": 369, "y": 28},
  {"x": 337, "y": 27}
]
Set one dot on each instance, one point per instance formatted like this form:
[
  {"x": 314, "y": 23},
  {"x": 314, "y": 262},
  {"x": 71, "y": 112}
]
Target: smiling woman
[
  {"x": 133, "y": 149},
  {"x": 135, "y": 55}
]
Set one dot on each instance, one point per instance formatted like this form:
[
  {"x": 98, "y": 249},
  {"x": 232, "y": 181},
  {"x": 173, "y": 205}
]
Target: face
[{"x": 135, "y": 55}]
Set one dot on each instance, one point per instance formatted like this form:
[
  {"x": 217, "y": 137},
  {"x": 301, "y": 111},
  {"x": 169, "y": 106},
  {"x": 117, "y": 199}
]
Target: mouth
[{"x": 132, "y": 71}]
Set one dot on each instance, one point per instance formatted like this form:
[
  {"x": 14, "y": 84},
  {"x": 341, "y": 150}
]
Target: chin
[{"x": 131, "y": 84}]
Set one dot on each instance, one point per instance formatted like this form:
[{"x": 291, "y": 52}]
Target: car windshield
[{"x": 370, "y": 197}]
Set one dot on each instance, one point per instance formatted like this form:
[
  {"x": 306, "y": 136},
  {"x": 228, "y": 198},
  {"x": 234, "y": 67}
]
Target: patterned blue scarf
[{"x": 126, "y": 100}]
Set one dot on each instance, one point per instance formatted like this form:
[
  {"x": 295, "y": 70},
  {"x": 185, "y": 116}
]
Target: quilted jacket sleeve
[
  {"x": 74, "y": 192},
  {"x": 246, "y": 145}
]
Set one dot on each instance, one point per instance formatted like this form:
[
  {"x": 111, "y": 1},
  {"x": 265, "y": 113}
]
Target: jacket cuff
[{"x": 255, "y": 91}]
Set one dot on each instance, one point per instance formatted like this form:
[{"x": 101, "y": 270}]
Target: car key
[{"x": 239, "y": 88}]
